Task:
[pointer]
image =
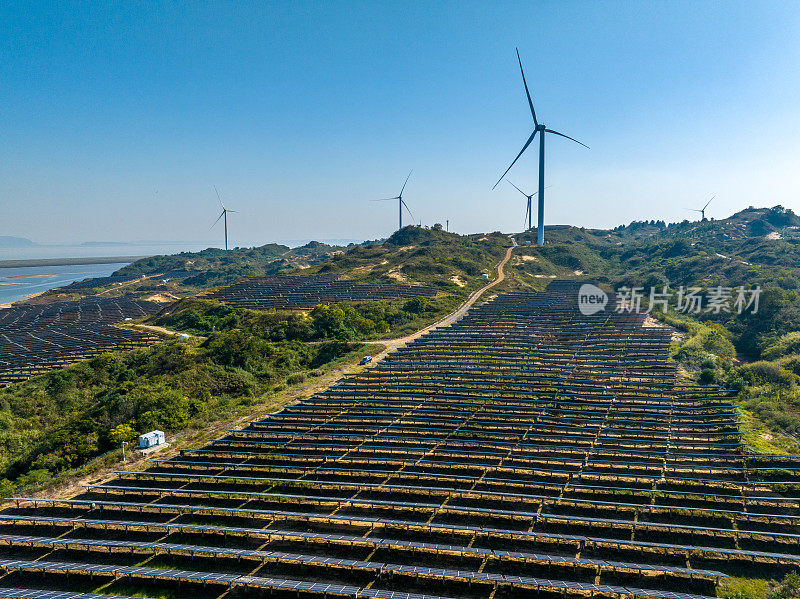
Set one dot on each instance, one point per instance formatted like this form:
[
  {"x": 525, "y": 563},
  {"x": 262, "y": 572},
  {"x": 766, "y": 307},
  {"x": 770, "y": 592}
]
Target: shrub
[
  {"x": 707, "y": 376},
  {"x": 416, "y": 305},
  {"x": 783, "y": 346},
  {"x": 294, "y": 379},
  {"x": 788, "y": 588},
  {"x": 120, "y": 433}
]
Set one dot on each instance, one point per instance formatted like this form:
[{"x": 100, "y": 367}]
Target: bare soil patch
[
  {"x": 162, "y": 298},
  {"x": 397, "y": 275}
]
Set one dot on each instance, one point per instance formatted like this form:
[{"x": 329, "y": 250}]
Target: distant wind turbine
[
  {"x": 400, "y": 202},
  {"x": 543, "y": 129},
  {"x": 702, "y": 210},
  {"x": 528, "y": 211},
  {"x": 223, "y": 215}
]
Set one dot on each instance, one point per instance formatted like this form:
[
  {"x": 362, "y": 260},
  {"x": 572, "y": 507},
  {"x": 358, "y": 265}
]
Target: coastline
[
  {"x": 27, "y": 297},
  {"x": 67, "y": 261}
]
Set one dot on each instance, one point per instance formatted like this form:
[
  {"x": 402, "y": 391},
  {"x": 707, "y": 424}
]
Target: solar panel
[
  {"x": 433, "y": 527},
  {"x": 517, "y": 438}
]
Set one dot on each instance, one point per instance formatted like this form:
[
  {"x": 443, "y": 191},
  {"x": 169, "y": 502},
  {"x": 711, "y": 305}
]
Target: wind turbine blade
[
  {"x": 530, "y": 102},
  {"x": 385, "y": 199},
  {"x": 221, "y": 214},
  {"x": 537, "y": 191},
  {"x": 708, "y": 202},
  {"x": 404, "y": 183},
  {"x": 525, "y": 147},
  {"x": 409, "y": 210},
  {"x": 226, "y": 210},
  {"x": 518, "y": 189},
  {"x": 568, "y": 137},
  {"x": 527, "y": 209},
  {"x": 219, "y": 198}
]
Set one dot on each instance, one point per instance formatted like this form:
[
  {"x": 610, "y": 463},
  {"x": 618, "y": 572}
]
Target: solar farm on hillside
[
  {"x": 38, "y": 338},
  {"x": 35, "y": 339},
  {"x": 305, "y": 292},
  {"x": 525, "y": 451}
]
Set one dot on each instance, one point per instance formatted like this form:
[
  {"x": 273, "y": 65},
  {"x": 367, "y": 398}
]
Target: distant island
[{"x": 13, "y": 242}]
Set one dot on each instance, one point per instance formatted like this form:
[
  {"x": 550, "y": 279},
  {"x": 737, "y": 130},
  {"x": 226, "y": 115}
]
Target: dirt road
[{"x": 393, "y": 344}]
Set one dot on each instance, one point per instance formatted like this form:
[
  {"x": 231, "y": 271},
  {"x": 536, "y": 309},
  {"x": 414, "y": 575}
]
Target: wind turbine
[
  {"x": 542, "y": 129},
  {"x": 702, "y": 210},
  {"x": 400, "y": 202},
  {"x": 224, "y": 215},
  {"x": 528, "y": 212}
]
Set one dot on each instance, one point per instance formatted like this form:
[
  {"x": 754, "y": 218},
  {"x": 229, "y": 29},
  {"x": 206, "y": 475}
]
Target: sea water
[{"x": 18, "y": 283}]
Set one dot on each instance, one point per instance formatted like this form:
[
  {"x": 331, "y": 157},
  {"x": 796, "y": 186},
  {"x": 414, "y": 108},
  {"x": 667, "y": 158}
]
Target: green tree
[
  {"x": 120, "y": 433},
  {"x": 416, "y": 305},
  {"x": 6, "y": 488}
]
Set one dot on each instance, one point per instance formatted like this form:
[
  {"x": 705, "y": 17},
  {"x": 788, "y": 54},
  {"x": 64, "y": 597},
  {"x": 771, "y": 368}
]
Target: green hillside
[{"x": 242, "y": 356}]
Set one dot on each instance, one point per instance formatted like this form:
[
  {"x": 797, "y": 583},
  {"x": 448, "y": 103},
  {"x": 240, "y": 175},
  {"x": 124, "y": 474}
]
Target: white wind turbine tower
[
  {"x": 528, "y": 211},
  {"x": 223, "y": 215},
  {"x": 542, "y": 129},
  {"x": 400, "y": 203}
]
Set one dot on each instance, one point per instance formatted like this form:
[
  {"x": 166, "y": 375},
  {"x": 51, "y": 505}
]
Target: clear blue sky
[{"x": 117, "y": 118}]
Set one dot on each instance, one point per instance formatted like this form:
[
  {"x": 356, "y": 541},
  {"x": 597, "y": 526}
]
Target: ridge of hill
[
  {"x": 213, "y": 266},
  {"x": 747, "y": 223}
]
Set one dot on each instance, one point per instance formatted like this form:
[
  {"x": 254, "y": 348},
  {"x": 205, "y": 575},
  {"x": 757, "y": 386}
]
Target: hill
[
  {"x": 243, "y": 355},
  {"x": 755, "y": 354},
  {"x": 242, "y": 358},
  {"x": 750, "y": 222},
  {"x": 187, "y": 273},
  {"x": 213, "y": 266}
]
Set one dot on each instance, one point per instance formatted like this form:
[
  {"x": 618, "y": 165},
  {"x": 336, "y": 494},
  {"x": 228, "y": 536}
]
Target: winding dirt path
[{"x": 393, "y": 344}]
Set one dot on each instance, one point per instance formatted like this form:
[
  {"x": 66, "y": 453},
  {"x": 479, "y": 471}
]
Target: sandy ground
[
  {"x": 160, "y": 331},
  {"x": 162, "y": 298},
  {"x": 457, "y": 280},
  {"x": 396, "y": 275}
]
